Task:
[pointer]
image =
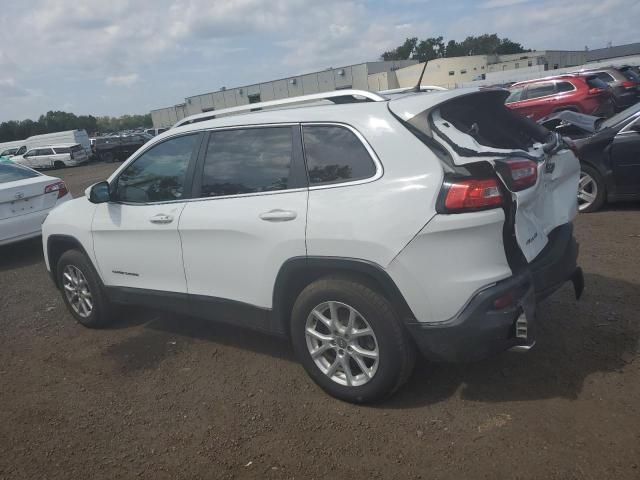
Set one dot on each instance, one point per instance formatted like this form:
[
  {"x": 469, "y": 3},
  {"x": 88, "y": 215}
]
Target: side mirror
[{"x": 99, "y": 193}]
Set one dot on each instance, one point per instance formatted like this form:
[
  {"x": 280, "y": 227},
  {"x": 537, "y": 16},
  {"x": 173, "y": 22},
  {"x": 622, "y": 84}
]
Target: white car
[
  {"x": 363, "y": 227},
  {"x": 26, "y": 197},
  {"x": 54, "y": 156}
]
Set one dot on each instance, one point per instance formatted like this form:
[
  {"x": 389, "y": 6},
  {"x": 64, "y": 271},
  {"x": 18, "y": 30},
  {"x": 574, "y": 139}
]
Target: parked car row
[
  {"x": 599, "y": 92},
  {"x": 117, "y": 147}
]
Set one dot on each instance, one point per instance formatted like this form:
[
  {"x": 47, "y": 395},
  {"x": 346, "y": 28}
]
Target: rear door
[
  {"x": 44, "y": 158},
  {"x": 250, "y": 216},
  {"x": 540, "y": 99}
]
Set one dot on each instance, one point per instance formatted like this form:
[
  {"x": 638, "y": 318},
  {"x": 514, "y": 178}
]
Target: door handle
[
  {"x": 161, "y": 218},
  {"x": 278, "y": 215}
]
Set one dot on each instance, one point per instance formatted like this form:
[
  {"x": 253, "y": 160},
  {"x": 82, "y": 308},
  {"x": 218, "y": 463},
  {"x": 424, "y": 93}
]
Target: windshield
[
  {"x": 620, "y": 117},
  {"x": 12, "y": 173}
]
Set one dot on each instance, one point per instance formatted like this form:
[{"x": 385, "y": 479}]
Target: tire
[
  {"x": 59, "y": 164},
  {"x": 107, "y": 157},
  {"x": 591, "y": 190},
  {"x": 101, "y": 312},
  {"x": 395, "y": 350}
]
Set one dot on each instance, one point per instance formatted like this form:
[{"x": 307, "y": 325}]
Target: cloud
[
  {"x": 122, "y": 80},
  {"x": 8, "y": 88},
  {"x": 502, "y": 3}
]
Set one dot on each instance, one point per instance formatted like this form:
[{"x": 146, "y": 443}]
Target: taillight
[
  {"x": 467, "y": 195},
  {"x": 518, "y": 173},
  {"x": 59, "y": 187},
  {"x": 629, "y": 84}
]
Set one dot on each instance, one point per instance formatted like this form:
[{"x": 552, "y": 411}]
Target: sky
[{"x": 111, "y": 57}]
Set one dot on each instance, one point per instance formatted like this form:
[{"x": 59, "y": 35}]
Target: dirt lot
[{"x": 161, "y": 396}]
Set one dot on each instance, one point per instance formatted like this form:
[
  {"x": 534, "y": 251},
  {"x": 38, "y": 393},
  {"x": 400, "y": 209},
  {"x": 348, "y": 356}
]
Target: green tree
[
  {"x": 429, "y": 49},
  {"x": 403, "y": 52}
]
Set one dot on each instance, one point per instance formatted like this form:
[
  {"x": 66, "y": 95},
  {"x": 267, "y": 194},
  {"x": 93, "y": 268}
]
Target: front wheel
[
  {"x": 591, "y": 190},
  {"x": 350, "y": 340},
  {"x": 82, "y": 291}
]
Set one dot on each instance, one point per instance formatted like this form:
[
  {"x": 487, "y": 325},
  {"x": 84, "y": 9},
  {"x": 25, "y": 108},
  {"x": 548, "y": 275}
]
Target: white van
[{"x": 60, "y": 138}]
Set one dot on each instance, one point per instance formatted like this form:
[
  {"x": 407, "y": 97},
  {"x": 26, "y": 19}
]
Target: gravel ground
[{"x": 162, "y": 396}]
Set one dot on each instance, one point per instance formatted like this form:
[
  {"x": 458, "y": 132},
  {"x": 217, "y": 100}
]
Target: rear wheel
[
  {"x": 591, "y": 190},
  {"x": 350, "y": 340},
  {"x": 58, "y": 164},
  {"x": 82, "y": 291}
]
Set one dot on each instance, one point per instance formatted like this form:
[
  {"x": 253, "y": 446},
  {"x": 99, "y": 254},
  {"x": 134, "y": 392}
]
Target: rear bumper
[{"x": 481, "y": 330}]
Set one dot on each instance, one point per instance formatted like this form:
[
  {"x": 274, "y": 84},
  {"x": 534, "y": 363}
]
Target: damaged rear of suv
[{"x": 503, "y": 173}]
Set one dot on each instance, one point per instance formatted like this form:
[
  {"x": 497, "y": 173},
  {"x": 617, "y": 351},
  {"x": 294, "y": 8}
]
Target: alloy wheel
[
  {"x": 587, "y": 191},
  {"x": 76, "y": 289},
  {"x": 342, "y": 343}
]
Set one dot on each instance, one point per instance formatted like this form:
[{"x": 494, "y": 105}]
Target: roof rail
[
  {"x": 423, "y": 88},
  {"x": 336, "y": 96}
]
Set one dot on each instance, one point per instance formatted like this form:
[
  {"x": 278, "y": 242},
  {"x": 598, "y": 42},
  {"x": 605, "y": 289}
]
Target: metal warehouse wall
[{"x": 353, "y": 76}]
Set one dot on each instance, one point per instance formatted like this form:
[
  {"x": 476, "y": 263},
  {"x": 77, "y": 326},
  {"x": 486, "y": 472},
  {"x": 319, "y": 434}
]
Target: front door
[
  {"x": 135, "y": 237},
  {"x": 625, "y": 159},
  {"x": 251, "y": 217}
]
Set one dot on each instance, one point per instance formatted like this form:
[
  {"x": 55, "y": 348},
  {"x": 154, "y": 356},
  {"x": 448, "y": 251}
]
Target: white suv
[
  {"x": 54, "y": 156},
  {"x": 363, "y": 227}
]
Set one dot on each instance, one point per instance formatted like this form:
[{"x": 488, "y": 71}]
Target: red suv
[{"x": 541, "y": 97}]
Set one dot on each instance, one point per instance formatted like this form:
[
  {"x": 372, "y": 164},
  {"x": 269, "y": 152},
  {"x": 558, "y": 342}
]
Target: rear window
[
  {"x": 12, "y": 173},
  {"x": 596, "y": 82},
  {"x": 334, "y": 154}
]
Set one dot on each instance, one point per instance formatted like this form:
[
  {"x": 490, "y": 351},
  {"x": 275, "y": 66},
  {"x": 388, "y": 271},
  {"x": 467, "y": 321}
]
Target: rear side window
[
  {"x": 158, "y": 174},
  {"x": 606, "y": 77},
  {"x": 249, "y": 160},
  {"x": 334, "y": 154},
  {"x": 12, "y": 173},
  {"x": 564, "y": 87},
  {"x": 596, "y": 82},
  {"x": 62, "y": 150},
  {"x": 540, "y": 90},
  {"x": 45, "y": 151}
]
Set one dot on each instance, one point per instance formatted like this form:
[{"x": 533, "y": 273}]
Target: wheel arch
[
  {"x": 56, "y": 246},
  {"x": 296, "y": 273}
]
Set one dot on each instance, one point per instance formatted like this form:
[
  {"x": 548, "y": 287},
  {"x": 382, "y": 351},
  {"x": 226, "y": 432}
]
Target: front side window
[
  {"x": 158, "y": 174},
  {"x": 249, "y": 160},
  {"x": 540, "y": 90},
  {"x": 334, "y": 154},
  {"x": 515, "y": 95},
  {"x": 31, "y": 153}
]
